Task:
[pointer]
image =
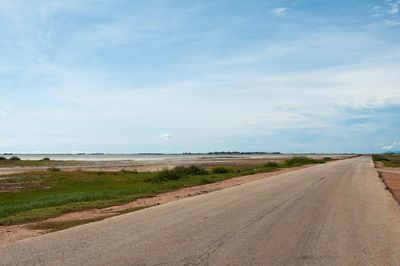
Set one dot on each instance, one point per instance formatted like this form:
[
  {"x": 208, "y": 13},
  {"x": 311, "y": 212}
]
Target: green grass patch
[
  {"x": 301, "y": 160},
  {"x": 179, "y": 172},
  {"x": 388, "y": 160},
  {"x": 45, "y": 194},
  {"x": 222, "y": 170}
]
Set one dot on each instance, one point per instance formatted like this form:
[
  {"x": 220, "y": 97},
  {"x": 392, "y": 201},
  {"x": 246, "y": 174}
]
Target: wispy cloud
[
  {"x": 394, "y": 7},
  {"x": 166, "y": 136},
  {"x": 387, "y": 13},
  {"x": 391, "y": 146},
  {"x": 280, "y": 11},
  {"x": 391, "y": 22}
]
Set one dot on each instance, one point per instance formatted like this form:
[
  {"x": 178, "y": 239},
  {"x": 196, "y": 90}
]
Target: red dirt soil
[
  {"x": 391, "y": 177},
  {"x": 392, "y": 181}
]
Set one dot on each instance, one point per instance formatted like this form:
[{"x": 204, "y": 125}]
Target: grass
[
  {"x": 388, "y": 160},
  {"x": 179, "y": 172},
  {"x": 302, "y": 160},
  {"x": 46, "y": 194}
]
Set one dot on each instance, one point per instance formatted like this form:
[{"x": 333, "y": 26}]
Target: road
[{"x": 338, "y": 213}]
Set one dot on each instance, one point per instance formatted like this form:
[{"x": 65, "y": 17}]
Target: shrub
[
  {"x": 207, "y": 180},
  {"x": 378, "y": 157},
  {"x": 125, "y": 171},
  {"x": 3, "y": 158},
  {"x": 326, "y": 159},
  {"x": 46, "y": 159},
  {"x": 53, "y": 169},
  {"x": 300, "y": 160},
  {"x": 221, "y": 170},
  {"x": 14, "y": 158},
  {"x": 388, "y": 160},
  {"x": 195, "y": 170},
  {"x": 271, "y": 164},
  {"x": 179, "y": 172}
]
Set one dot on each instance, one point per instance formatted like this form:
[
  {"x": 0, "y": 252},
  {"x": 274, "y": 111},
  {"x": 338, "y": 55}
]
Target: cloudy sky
[{"x": 199, "y": 75}]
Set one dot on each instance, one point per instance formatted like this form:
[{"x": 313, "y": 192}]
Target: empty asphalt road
[{"x": 333, "y": 214}]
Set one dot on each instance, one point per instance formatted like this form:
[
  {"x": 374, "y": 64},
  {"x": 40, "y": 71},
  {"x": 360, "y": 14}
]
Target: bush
[
  {"x": 207, "y": 180},
  {"x": 378, "y": 157},
  {"x": 53, "y": 169},
  {"x": 388, "y": 160},
  {"x": 271, "y": 164},
  {"x": 300, "y": 160},
  {"x": 3, "y": 158},
  {"x": 180, "y": 172},
  {"x": 125, "y": 171},
  {"x": 195, "y": 170},
  {"x": 221, "y": 170},
  {"x": 46, "y": 159},
  {"x": 14, "y": 158},
  {"x": 326, "y": 159}
]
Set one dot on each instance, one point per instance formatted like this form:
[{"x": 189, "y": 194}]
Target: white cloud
[
  {"x": 389, "y": 147},
  {"x": 388, "y": 13},
  {"x": 394, "y": 8},
  {"x": 390, "y": 22},
  {"x": 393, "y": 145},
  {"x": 166, "y": 136},
  {"x": 279, "y": 11}
]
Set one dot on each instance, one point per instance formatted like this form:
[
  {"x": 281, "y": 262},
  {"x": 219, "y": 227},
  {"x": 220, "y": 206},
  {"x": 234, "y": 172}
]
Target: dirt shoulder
[
  {"x": 9, "y": 234},
  {"x": 391, "y": 177}
]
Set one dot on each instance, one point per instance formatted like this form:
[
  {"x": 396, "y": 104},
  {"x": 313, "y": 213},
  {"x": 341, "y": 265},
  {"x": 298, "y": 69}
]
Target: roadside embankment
[{"x": 388, "y": 167}]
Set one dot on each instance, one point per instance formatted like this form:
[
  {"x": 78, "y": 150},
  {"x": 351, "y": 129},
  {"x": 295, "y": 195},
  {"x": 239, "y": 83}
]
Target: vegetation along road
[{"x": 336, "y": 213}]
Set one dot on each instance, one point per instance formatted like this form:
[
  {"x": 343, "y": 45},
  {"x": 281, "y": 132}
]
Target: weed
[
  {"x": 300, "y": 160},
  {"x": 271, "y": 164},
  {"x": 179, "y": 172},
  {"x": 388, "y": 160},
  {"x": 125, "y": 171},
  {"x": 221, "y": 170}
]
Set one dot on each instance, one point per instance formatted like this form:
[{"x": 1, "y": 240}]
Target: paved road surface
[{"x": 333, "y": 214}]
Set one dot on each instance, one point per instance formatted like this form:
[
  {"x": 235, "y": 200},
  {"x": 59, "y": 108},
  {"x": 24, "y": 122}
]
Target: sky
[{"x": 128, "y": 76}]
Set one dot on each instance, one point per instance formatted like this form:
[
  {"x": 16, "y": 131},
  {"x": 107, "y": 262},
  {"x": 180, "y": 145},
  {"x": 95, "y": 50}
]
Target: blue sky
[{"x": 179, "y": 76}]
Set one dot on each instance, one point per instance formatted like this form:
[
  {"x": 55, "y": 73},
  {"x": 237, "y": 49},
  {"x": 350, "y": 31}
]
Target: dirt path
[{"x": 9, "y": 234}]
